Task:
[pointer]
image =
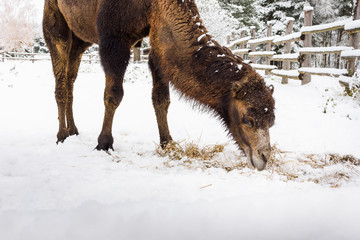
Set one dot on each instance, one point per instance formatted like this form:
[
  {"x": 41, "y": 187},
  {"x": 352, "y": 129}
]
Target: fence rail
[
  {"x": 245, "y": 47},
  {"x": 33, "y": 57},
  {"x": 86, "y": 58}
]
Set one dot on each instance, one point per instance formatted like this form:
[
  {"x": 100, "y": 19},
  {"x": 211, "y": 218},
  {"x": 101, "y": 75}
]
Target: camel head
[{"x": 250, "y": 115}]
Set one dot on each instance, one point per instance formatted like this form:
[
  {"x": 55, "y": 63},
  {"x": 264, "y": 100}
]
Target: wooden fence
[
  {"x": 245, "y": 47},
  {"x": 137, "y": 55},
  {"x": 34, "y": 57}
]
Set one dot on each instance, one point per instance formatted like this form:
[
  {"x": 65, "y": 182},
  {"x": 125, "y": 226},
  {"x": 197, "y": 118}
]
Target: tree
[
  {"x": 327, "y": 11},
  {"x": 279, "y": 10},
  {"x": 17, "y": 24},
  {"x": 242, "y": 10},
  {"x": 218, "y": 21}
]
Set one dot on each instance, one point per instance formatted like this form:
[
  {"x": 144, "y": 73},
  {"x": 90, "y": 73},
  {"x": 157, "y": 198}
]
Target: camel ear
[
  {"x": 237, "y": 90},
  {"x": 271, "y": 88}
]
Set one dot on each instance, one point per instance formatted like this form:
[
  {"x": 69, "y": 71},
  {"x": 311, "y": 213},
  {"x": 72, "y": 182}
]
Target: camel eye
[{"x": 248, "y": 121}]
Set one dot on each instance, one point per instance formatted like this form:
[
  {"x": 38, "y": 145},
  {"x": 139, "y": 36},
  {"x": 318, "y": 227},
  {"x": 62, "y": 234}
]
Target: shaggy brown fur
[{"x": 182, "y": 53}]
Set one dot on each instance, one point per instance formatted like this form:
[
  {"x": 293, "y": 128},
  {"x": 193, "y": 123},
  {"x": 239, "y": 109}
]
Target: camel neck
[{"x": 190, "y": 59}]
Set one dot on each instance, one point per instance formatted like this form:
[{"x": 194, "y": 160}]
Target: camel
[{"x": 183, "y": 54}]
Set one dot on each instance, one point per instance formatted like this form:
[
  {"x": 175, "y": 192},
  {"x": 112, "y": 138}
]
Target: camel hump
[
  {"x": 81, "y": 16},
  {"x": 89, "y": 18}
]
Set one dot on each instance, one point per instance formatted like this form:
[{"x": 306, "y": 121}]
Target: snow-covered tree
[
  {"x": 278, "y": 10},
  {"x": 245, "y": 11},
  {"x": 17, "y": 24},
  {"x": 327, "y": 11},
  {"x": 217, "y": 20}
]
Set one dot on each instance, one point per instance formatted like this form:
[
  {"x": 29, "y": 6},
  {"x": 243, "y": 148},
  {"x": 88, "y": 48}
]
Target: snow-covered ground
[{"x": 70, "y": 191}]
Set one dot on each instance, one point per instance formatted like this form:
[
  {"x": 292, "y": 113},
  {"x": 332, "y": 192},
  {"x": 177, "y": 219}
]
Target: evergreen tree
[
  {"x": 278, "y": 10},
  {"x": 39, "y": 45},
  {"x": 242, "y": 10},
  {"x": 331, "y": 10}
]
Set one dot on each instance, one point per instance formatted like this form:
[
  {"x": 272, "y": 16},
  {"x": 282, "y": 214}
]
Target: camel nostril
[{"x": 264, "y": 158}]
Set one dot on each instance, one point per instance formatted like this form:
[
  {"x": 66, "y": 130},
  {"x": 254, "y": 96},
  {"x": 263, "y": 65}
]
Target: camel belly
[{"x": 80, "y": 16}]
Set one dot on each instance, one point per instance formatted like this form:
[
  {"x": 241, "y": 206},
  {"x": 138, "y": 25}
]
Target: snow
[
  {"x": 350, "y": 53},
  {"x": 325, "y": 49},
  {"x": 241, "y": 51},
  {"x": 288, "y": 73},
  {"x": 293, "y": 36},
  {"x": 289, "y": 19},
  {"x": 239, "y": 41},
  {"x": 329, "y": 71},
  {"x": 289, "y": 56},
  {"x": 262, "y": 53},
  {"x": 345, "y": 79},
  {"x": 70, "y": 191},
  {"x": 201, "y": 37},
  {"x": 352, "y": 25},
  {"x": 325, "y": 27},
  {"x": 308, "y": 8},
  {"x": 262, "y": 66},
  {"x": 261, "y": 40}
]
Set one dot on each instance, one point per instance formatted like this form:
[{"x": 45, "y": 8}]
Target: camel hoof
[
  {"x": 73, "y": 131},
  {"x": 163, "y": 144},
  {"x": 62, "y": 135},
  {"x": 105, "y": 143}
]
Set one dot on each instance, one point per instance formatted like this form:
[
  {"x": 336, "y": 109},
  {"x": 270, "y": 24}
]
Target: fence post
[
  {"x": 354, "y": 39},
  {"x": 233, "y": 35},
  {"x": 268, "y": 46},
  {"x": 287, "y": 50},
  {"x": 308, "y": 18},
  {"x": 137, "y": 52},
  {"x": 228, "y": 39},
  {"x": 242, "y": 45},
  {"x": 253, "y": 47}
]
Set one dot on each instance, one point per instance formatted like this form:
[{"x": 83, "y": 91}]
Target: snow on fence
[
  {"x": 246, "y": 46},
  {"x": 33, "y": 57},
  {"x": 137, "y": 55},
  {"x": 23, "y": 56}
]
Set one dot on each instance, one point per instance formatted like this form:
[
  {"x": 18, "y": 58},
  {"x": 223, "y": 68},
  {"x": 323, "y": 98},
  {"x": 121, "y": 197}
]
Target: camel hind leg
[
  {"x": 77, "y": 49},
  {"x": 65, "y": 51},
  {"x": 58, "y": 38}
]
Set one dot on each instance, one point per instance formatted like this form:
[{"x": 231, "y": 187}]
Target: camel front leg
[
  {"x": 113, "y": 95},
  {"x": 115, "y": 55},
  {"x": 161, "y": 101}
]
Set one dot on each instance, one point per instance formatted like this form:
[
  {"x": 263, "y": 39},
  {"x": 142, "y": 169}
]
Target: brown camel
[{"x": 183, "y": 53}]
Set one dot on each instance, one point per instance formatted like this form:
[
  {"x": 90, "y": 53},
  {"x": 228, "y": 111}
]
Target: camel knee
[
  {"x": 61, "y": 95},
  {"x": 161, "y": 97},
  {"x": 113, "y": 97},
  {"x": 161, "y": 104}
]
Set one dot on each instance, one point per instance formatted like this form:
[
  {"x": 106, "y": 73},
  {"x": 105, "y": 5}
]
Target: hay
[
  {"x": 329, "y": 169},
  {"x": 192, "y": 155}
]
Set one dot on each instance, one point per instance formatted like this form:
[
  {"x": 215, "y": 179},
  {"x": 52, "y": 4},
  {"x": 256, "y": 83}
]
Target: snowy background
[
  {"x": 70, "y": 191},
  {"x": 51, "y": 191}
]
